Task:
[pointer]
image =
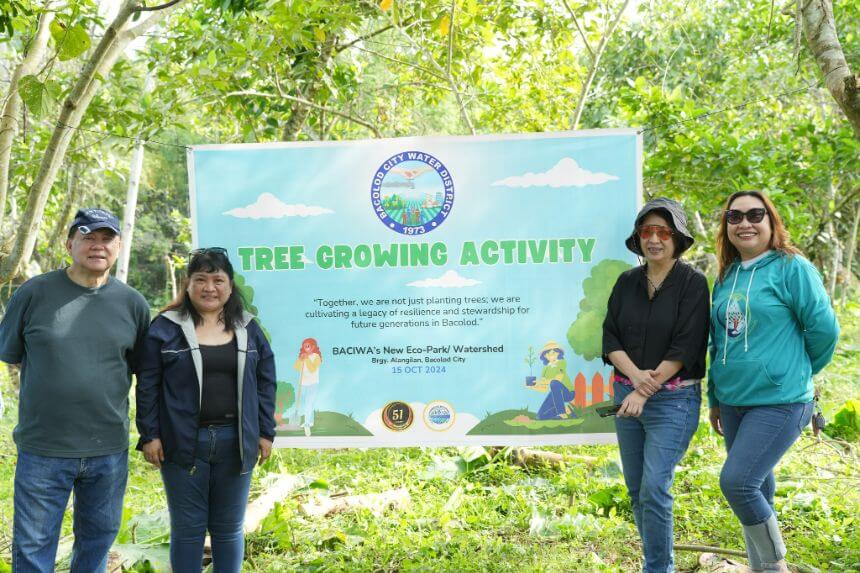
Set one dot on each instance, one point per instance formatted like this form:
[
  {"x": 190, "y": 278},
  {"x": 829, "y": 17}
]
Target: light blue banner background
[{"x": 337, "y": 177}]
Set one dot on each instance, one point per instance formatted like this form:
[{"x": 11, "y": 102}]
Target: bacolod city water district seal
[{"x": 412, "y": 193}]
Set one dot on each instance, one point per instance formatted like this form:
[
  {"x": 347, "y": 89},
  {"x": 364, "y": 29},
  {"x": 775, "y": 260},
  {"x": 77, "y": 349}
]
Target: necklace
[{"x": 656, "y": 287}]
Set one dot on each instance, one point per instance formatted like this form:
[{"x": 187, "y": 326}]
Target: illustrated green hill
[
  {"x": 501, "y": 423},
  {"x": 330, "y": 424}
]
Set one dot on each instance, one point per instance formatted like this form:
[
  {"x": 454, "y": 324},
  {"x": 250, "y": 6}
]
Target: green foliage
[
  {"x": 610, "y": 499},
  {"x": 39, "y": 97},
  {"x": 846, "y": 422},
  {"x": 71, "y": 41},
  {"x": 584, "y": 334}
]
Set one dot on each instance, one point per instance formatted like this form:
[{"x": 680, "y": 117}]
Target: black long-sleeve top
[{"x": 671, "y": 326}]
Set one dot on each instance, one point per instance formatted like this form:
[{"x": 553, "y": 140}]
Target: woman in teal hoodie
[{"x": 772, "y": 330}]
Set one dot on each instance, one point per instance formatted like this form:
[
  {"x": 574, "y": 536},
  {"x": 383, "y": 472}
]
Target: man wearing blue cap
[{"x": 75, "y": 332}]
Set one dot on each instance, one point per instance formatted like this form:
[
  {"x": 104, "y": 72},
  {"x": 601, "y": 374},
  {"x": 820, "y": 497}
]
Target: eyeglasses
[
  {"x": 663, "y": 233},
  {"x": 208, "y": 251},
  {"x": 734, "y": 217}
]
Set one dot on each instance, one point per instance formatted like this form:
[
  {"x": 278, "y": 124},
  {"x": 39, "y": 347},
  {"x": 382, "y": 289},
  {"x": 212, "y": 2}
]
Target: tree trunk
[
  {"x": 299, "y": 112},
  {"x": 109, "y": 49},
  {"x": 592, "y": 70},
  {"x": 9, "y": 119},
  {"x": 170, "y": 271},
  {"x": 56, "y": 241},
  {"x": 128, "y": 213},
  {"x": 849, "y": 261},
  {"x": 819, "y": 27}
]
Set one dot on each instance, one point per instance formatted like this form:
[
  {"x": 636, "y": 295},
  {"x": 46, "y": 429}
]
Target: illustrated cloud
[
  {"x": 463, "y": 423},
  {"x": 566, "y": 173},
  {"x": 267, "y": 206},
  {"x": 449, "y": 280}
]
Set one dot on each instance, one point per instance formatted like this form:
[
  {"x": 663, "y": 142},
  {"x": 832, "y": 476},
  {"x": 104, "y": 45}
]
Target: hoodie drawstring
[
  {"x": 728, "y": 304},
  {"x": 746, "y": 312}
]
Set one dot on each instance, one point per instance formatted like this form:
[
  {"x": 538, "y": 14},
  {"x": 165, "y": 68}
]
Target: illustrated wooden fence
[{"x": 594, "y": 393}]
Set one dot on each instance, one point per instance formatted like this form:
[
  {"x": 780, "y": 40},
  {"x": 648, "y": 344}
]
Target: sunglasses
[
  {"x": 663, "y": 233},
  {"x": 734, "y": 217},
  {"x": 208, "y": 251}
]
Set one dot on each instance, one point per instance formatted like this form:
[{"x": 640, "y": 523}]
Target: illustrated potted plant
[{"x": 530, "y": 359}]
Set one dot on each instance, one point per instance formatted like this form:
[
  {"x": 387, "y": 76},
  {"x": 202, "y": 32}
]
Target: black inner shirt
[{"x": 219, "y": 405}]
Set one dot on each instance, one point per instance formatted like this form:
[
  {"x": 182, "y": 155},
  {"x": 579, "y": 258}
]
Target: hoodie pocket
[{"x": 743, "y": 382}]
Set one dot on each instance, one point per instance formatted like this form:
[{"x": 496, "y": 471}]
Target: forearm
[
  {"x": 666, "y": 370},
  {"x": 622, "y": 362}
]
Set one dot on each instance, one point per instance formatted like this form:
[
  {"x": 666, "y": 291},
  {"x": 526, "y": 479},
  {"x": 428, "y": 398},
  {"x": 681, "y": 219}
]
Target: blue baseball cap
[{"x": 89, "y": 220}]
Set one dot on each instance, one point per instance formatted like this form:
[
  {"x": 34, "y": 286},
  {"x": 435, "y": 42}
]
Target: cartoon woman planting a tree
[
  {"x": 307, "y": 364},
  {"x": 554, "y": 380}
]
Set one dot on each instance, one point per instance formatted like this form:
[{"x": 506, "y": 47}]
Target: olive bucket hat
[{"x": 673, "y": 212}]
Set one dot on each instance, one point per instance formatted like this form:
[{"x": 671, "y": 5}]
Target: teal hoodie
[{"x": 772, "y": 329}]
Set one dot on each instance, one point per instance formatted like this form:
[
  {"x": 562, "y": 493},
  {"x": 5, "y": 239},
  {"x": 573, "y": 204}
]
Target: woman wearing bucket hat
[
  {"x": 767, "y": 296},
  {"x": 655, "y": 335}
]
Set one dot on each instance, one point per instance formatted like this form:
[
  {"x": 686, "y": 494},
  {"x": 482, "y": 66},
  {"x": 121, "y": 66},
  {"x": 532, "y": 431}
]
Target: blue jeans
[
  {"x": 42, "y": 488},
  {"x": 756, "y": 438},
  {"x": 212, "y": 496},
  {"x": 651, "y": 446},
  {"x": 556, "y": 401}
]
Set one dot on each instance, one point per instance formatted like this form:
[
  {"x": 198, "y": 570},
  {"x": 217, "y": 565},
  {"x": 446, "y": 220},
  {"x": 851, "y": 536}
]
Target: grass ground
[{"x": 471, "y": 514}]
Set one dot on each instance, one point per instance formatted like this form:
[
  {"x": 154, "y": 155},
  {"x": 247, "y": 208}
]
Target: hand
[
  {"x": 632, "y": 405},
  {"x": 714, "y": 417},
  {"x": 540, "y": 385},
  {"x": 153, "y": 452},
  {"x": 645, "y": 381},
  {"x": 265, "y": 450}
]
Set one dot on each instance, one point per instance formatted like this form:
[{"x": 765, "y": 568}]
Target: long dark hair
[
  {"x": 779, "y": 237},
  {"x": 209, "y": 260}
]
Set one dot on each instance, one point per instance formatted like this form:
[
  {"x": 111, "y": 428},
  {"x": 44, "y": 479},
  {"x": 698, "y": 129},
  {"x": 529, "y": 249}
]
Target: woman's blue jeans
[
  {"x": 556, "y": 402},
  {"x": 211, "y": 496},
  {"x": 756, "y": 439},
  {"x": 651, "y": 446}
]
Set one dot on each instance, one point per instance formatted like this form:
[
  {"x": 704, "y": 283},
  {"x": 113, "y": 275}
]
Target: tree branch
[
  {"x": 339, "y": 49},
  {"x": 579, "y": 29},
  {"x": 586, "y": 87},
  {"x": 157, "y": 8},
  {"x": 116, "y": 37},
  {"x": 309, "y": 104},
  {"x": 820, "y": 29},
  {"x": 9, "y": 120}
]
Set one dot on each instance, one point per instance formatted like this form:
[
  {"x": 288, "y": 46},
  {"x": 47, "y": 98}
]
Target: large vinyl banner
[{"x": 429, "y": 291}]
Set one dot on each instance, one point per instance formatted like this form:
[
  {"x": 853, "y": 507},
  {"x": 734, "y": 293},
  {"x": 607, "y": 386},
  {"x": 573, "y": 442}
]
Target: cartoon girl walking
[{"x": 307, "y": 364}]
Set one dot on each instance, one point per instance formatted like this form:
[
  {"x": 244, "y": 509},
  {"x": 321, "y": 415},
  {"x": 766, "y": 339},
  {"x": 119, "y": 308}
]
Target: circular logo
[
  {"x": 412, "y": 193},
  {"x": 397, "y": 416},
  {"x": 438, "y": 415}
]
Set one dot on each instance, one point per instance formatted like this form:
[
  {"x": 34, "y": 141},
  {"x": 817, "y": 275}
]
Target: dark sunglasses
[
  {"x": 734, "y": 217},
  {"x": 663, "y": 233},
  {"x": 208, "y": 251}
]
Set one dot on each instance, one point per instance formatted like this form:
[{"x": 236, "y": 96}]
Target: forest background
[{"x": 101, "y": 99}]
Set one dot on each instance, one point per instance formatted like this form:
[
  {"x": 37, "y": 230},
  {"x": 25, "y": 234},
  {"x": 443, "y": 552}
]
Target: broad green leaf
[
  {"x": 35, "y": 95},
  {"x": 71, "y": 41},
  {"x": 212, "y": 59}
]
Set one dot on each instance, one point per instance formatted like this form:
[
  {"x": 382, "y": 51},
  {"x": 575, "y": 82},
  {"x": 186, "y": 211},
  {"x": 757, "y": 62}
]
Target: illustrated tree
[{"x": 585, "y": 334}]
